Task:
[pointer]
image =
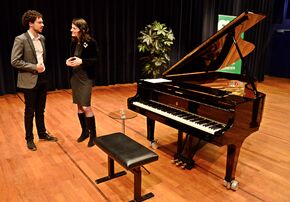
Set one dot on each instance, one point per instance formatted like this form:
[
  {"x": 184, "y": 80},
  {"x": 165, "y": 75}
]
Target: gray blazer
[{"x": 23, "y": 57}]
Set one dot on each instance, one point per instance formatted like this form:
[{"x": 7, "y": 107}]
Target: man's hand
[{"x": 40, "y": 68}]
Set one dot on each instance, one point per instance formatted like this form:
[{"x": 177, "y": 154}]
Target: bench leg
[
  {"x": 111, "y": 172},
  {"x": 137, "y": 186}
]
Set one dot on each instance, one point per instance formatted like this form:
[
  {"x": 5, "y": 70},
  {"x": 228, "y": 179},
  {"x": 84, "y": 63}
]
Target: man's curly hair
[{"x": 30, "y": 16}]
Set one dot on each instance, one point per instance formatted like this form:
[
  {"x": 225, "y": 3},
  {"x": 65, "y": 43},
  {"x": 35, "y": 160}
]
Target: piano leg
[
  {"x": 233, "y": 152},
  {"x": 150, "y": 133}
]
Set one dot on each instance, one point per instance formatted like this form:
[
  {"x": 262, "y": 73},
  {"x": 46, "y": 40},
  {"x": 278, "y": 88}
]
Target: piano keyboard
[{"x": 193, "y": 120}]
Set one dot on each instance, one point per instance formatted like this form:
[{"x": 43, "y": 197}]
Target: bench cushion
[{"x": 125, "y": 151}]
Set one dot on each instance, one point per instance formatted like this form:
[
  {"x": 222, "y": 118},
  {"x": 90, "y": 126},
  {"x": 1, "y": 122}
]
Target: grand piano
[{"x": 207, "y": 104}]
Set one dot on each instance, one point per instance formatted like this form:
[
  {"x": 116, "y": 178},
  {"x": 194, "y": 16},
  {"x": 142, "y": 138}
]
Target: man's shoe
[
  {"x": 31, "y": 146},
  {"x": 47, "y": 137}
]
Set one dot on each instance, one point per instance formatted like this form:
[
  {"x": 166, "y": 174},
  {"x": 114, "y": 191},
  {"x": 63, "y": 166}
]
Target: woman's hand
[{"x": 74, "y": 61}]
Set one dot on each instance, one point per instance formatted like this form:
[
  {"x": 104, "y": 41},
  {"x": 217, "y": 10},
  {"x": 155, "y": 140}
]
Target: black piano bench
[{"x": 129, "y": 154}]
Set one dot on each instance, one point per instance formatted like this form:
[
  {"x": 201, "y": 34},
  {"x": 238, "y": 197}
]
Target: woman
[{"x": 83, "y": 62}]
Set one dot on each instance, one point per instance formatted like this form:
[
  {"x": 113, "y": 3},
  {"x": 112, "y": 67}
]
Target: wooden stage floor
[{"x": 67, "y": 170}]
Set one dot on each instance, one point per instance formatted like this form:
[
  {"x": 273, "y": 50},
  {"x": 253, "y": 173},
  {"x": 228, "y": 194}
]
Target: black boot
[
  {"x": 85, "y": 133},
  {"x": 91, "y": 126}
]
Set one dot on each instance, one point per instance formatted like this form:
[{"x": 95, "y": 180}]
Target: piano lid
[{"x": 219, "y": 50}]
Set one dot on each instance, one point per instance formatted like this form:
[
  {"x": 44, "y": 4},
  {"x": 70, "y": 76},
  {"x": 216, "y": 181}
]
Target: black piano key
[
  {"x": 174, "y": 112},
  {"x": 196, "y": 119},
  {"x": 201, "y": 122},
  {"x": 210, "y": 125},
  {"x": 181, "y": 114},
  {"x": 206, "y": 121},
  {"x": 186, "y": 116},
  {"x": 190, "y": 116},
  {"x": 217, "y": 126}
]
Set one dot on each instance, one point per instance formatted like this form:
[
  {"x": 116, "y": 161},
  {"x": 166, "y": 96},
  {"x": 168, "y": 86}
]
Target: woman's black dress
[{"x": 80, "y": 83}]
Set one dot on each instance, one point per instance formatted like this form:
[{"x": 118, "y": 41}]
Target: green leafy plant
[{"x": 155, "y": 42}]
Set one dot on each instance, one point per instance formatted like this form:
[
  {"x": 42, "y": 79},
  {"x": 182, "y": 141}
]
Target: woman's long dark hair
[{"x": 84, "y": 30}]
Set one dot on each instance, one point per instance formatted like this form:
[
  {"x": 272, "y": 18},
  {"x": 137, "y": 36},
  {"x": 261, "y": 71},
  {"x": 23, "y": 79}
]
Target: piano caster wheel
[
  {"x": 233, "y": 185},
  {"x": 154, "y": 144},
  {"x": 227, "y": 184}
]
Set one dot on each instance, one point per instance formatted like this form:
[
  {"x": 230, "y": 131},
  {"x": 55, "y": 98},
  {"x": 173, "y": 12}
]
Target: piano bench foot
[{"x": 233, "y": 185}]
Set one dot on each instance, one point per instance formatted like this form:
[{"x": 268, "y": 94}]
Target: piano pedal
[
  {"x": 174, "y": 161},
  {"x": 184, "y": 165},
  {"x": 178, "y": 163}
]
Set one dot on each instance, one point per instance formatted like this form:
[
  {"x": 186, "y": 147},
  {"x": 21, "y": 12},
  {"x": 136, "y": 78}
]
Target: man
[{"x": 28, "y": 56}]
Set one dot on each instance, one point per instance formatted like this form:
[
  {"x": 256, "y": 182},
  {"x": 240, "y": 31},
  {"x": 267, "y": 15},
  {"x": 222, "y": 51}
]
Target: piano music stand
[{"x": 122, "y": 114}]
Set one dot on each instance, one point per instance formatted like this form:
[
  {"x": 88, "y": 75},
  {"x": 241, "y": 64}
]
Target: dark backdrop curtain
[{"x": 115, "y": 25}]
